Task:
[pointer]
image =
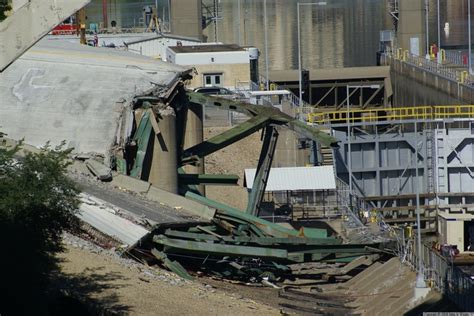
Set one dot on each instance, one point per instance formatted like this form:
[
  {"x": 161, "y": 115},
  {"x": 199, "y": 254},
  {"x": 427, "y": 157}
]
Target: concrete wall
[
  {"x": 414, "y": 86},
  {"x": 232, "y": 73},
  {"x": 186, "y": 18},
  {"x": 411, "y": 26}
]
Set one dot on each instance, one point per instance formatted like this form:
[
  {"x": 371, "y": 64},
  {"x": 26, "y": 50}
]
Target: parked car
[{"x": 219, "y": 91}]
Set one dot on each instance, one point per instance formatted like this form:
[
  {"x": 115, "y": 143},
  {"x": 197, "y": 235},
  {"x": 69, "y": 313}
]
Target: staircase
[
  {"x": 328, "y": 158},
  {"x": 392, "y": 6},
  {"x": 430, "y": 159},
  {"x": 29, "y": 22}
]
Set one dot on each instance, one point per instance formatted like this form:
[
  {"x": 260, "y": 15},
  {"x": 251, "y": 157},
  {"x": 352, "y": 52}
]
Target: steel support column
[{"x": 263, "y": 170}]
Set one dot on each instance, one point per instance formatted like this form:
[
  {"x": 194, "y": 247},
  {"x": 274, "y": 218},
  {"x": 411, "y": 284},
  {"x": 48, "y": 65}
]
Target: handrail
[
  {"x": 435, "y": 112},
  {"x": 442, "y": 275},
  {"x": 443, "y": 70},
  {"x": 294, "y": 100}
]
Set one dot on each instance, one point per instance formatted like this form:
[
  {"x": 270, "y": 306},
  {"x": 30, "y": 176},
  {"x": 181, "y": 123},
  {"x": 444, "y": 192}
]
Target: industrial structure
[{"x": 393, "y": 161}]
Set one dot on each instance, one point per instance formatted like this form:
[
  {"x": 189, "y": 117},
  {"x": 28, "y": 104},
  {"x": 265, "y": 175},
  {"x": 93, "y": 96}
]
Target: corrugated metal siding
[{"x": 296, "y": 178}]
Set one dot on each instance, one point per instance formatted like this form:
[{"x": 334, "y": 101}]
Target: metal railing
[
  {"x": 442, "y": 275},
  {"x": 436, "y": 112},
  {"x": 293, "y": 99},
  {"x": 456, "y": 58},
  {"x": 441, "y": 69}
]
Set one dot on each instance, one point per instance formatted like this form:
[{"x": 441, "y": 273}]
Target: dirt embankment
[
  {"x": 102, "y": 277},
  {"x": 232, "y": 160}
]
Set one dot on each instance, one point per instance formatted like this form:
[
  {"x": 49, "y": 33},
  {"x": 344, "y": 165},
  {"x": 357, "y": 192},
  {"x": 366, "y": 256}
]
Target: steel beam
[
  {"x": 209, "y": 179},
  {"x": 224, "y": 139},
  {"x": 264, "y": 241},
  {"x": 263, "y": 171},
  {"x": 275, "y": 115},
  {"x": 220, "y": 249},
  {"x": 142, "y": 139}
]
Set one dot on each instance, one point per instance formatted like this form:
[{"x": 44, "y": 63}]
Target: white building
[
  {"x": 217, "y": 64},
  {"x": 155, "y": 46}
]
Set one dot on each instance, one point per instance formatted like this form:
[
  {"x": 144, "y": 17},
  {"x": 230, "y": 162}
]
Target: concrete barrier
[
  {"x": 130, "y": 183},
  {"x": 178, "y": 201},
  {"x": 167, "y": 198}
]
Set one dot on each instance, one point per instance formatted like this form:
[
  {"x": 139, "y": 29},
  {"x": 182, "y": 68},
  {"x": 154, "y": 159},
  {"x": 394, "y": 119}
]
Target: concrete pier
[
  {"x": 163, "y": 169},
  {"x": 193, "y": 136}
]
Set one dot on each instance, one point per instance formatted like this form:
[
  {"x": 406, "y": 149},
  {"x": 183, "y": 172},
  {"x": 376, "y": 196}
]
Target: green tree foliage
[
  {"x": 37, "y": 202},
  {"x": 4, "y": 7}
]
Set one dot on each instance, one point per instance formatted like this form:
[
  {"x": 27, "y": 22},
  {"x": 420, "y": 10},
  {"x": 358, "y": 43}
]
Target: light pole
[
  {"x": 349, "y": 152},
  {"x": 469, "y": 34},
  {"x": 439, "y": 30},
  {"x": 266, "y": 43},
  {"x": 298, "y": 5},
  {"x": 427, "y": 29},
  {"x": 420, "y": 278},
  {"x": 238, "y": 23}
]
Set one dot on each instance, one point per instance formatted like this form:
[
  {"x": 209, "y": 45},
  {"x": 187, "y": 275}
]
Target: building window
[{"x": 214, "y": 79}]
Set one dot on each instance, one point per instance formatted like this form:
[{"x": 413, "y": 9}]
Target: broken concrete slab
[
  {"x": 60, "y": 91},
  {"x": 101, "y": 171},
  {"x": 130, "y": 183},
  {"x": 104, "y": 218},
  {"x": 177, "y": 201}
]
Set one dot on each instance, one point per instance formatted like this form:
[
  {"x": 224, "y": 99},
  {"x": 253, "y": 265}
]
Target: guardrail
[
  {"x": 294, "y": 100},
  {"x": 441, "y": 69},
  {"x": 456, "y": 58},
  {"x": 436, "y": 112}
]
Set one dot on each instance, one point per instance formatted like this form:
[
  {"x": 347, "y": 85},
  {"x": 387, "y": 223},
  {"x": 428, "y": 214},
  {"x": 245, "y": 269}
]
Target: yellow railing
[{"x": 390, "y": 114}]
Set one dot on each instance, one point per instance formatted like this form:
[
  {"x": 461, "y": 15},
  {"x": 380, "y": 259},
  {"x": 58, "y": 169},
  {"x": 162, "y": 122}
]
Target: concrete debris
[
  {"x": 101, "y": 171},
  {"x": 105, "y": 219},
  {"x": 82, "y": 156}
]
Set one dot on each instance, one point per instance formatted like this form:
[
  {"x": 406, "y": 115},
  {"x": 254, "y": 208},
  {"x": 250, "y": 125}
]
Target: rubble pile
[{"x": 239, "y": 246}]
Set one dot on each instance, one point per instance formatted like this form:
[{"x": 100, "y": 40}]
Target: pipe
[{"x": 104, "y": 14}]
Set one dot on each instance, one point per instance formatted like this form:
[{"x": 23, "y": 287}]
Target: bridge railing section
[{"x": 442, "y": 69}]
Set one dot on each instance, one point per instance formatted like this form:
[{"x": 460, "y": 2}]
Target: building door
[{"x": 211, "y": 80}]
